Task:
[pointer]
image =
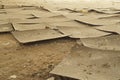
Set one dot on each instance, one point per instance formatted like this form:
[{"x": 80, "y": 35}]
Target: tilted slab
[{"x": 89, "y": 64}]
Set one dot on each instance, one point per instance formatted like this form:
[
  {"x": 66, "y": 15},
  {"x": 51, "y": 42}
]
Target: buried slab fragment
[
  {"x": 81, "y": 32},
  {"x": 111, "y": 42},
  {"x": 89, "y": 64},
  {"x": 29, "y": 26},
  {"x": 5, "y": 27},
  {"x": 36, "y": 35}
]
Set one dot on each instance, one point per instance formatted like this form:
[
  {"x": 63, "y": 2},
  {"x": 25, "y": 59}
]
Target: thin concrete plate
[
  {"x": 89, "y": 64},
  {"x": 20, "y": 11},
  {"x": 45, "y": 14},
  {"x": 81, "y": 32},
  {"x": 10, "y": 6},
  {"x": 5, "y": 27},
  {"x": 111, "y": 28},
  {"x": 2, "y": 11},
  {"x": 1, "y": 6},
  {"x": 13, "y": 16},
  {"x": 111, "y": 42},
  {"x": 69, "y": 24},
  {"x": 36, "y": 35},
  {"x": 95, "y": 18},
  {"x": 22, "y": 27},
  {"x": 44, "y": 20},
  {"x": 92, "y": 21},
  {"x": 107, "y": 11}
]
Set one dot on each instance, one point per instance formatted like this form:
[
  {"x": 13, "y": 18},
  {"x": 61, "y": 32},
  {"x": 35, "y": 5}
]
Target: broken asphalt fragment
[
  {"x": 81, "y": 32},
  {"x": 89, "y": 64},
  {"x": 36, "y": 35},
  {"x": 111, "y": 42}
]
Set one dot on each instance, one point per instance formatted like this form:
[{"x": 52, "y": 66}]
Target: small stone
[
  {"x": 52, "y": 78},
  {"x": 6, "y": 43},
  {"x": 13, "y": 76}
]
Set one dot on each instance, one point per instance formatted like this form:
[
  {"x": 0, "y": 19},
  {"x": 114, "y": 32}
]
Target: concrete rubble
[{"x": 96, "y": 55}]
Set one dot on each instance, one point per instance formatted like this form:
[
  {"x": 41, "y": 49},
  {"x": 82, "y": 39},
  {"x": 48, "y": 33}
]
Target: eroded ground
[{"x": 31, "y": 61}]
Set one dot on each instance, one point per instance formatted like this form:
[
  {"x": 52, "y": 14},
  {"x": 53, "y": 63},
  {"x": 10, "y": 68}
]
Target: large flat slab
[
  {"x": 111, "y": 42},
  {"x": 81, "y": 32},
  {"x": 89, "y": 64},
  {"x": 36, "y": 35}
]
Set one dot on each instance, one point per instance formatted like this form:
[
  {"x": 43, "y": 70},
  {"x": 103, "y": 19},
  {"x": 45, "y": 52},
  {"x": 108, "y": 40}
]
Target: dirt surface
[{"x": 32, "y": 61}]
